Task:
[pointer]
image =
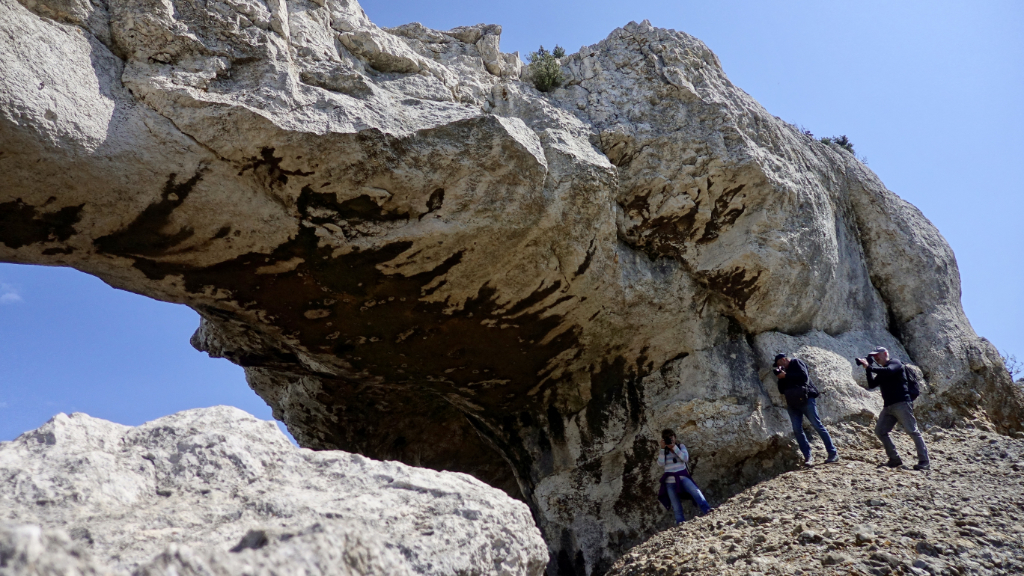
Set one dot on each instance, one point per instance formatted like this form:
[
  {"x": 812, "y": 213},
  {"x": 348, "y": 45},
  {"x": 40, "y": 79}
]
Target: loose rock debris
[{"x": 964, "y": 516}]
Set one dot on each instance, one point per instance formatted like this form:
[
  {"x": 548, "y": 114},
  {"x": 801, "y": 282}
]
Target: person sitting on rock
[
  {"x": 796, "y": 386},
  {"x": 898, "y": 406},
  {"x": 676, "y": 481}
]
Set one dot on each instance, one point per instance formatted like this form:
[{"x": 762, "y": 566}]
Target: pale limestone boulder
[
  {"x": 216, "y": 480},
  {"x": 28, "y": 550},
  {"x": 319, "y": 551}
]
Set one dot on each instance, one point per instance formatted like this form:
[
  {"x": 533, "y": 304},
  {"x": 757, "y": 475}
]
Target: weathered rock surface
[
  {"x": 417, "y": 256},
  {"x": 965, "y": 516},
  {"x": 217, "y": 492},
  {"x": 28, "y": 550}
]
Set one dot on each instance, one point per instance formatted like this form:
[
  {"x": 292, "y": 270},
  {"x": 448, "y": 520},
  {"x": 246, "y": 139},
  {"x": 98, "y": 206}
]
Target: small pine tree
[
  {"x": 841, "y": 141},
  {"x": 545, "y": 69}
]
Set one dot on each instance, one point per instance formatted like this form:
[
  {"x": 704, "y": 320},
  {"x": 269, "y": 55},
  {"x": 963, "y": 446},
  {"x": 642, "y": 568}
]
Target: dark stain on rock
[
  {"x": 634, "y": 383},
  {"x": 664, "y": 236},
  {"x": 254, "y": 539},
  {"x": 721, "y": 215},
  {"x": 364, "y": 208},
  {"x": 734, "y": 330},
  {"x": 615, "y": 383},
  {"x": 22, "y": 224},
  {"x": 324, "y": 208},
  {"x": 537, "y": 297},
  {"x": 894, "y": 325},
  {"x": 449, "y": 354},
  {"x": 503, "y": 438},
  {"x": 435, "y": 201},
  {"x": 55, "y": 251},
  {"x": 580, "y": 562},
  {"x": 593, "y": 469},
  {"x": 526, "y": 419},
  {"x": 144, "y": 236},
  {"x": 586, "y": 260},
  {"x": 668, "y": 236},
  {"x": 566, "y": 565},
  {"x": 272, "y": 165},
  {"x": 602, "y": 564},
  {"x": 679, "y": 356},
  {"x": 545, "y": 460},
  {"x": 637, "y": 491},
  {"x": 555, "y": 424},
  {"x": 733, "y": 285}
]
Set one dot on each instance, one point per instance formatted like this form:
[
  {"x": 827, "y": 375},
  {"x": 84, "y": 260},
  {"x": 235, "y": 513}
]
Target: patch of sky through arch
[{"x": 71, "y": 343}]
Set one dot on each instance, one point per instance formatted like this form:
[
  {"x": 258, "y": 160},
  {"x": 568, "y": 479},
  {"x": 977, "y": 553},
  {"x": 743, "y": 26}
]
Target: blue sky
[{"x": 930, "y": 92}]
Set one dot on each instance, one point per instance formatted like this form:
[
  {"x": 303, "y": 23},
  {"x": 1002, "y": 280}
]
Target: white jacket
[{"x": 675, "y": 462}]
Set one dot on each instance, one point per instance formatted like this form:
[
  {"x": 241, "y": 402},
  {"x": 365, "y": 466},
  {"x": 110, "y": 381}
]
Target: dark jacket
[
  {"x": 677, "y": 486},
  {"x": 797, "y": 376},
  {"x": 891, "y": 379}
]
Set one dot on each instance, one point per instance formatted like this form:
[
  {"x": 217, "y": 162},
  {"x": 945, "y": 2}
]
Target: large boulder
[
  {"x": 216, "y": 491},
  {"x": 417, "y": 256}
]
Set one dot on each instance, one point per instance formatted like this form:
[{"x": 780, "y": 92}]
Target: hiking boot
[
  {"x": 922, "y": 466},
  {"x": 832, "y": 459},
  {"x": 892, "y": 463},
  {"x": 809, "y": 462}
]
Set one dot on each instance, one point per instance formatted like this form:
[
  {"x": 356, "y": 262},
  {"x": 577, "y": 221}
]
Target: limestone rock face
[
  {"x": 215, "y": 491},
  {"x": 417, "y": 256}
]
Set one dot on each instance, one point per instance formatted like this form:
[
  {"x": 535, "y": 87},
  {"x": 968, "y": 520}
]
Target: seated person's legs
[
  {"x": 698, "y": 498},
  {"x": 677, "y": 506}
]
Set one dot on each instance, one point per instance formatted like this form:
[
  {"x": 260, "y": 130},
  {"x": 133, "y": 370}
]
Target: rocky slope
[
  {"x": 417, "y": 256},
  {"x": 965, "y": 516},
  {"x": 216, "y": 492}
]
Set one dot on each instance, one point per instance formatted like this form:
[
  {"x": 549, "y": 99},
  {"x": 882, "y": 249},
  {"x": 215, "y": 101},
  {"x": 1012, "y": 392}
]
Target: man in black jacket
[
  {"x": 888, "y": 375},
  {"x": 795, "y": 384}
]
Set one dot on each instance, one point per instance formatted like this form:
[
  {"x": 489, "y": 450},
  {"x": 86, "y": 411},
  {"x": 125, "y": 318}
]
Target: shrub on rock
[{"x": 545, "y": 68}]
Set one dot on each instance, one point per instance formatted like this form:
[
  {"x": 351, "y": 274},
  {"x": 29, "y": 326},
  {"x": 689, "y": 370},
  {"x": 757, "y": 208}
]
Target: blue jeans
[
  {"x": 693, "y": 491},
  {"x": 796, "y": 416}
]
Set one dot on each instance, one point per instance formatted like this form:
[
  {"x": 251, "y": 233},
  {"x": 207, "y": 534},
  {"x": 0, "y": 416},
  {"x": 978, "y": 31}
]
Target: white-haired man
[{"x": 888, "y": 374}]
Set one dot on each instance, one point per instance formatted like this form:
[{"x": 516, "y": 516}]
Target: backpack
[
  {"x": 798, "y": 395},
  {"x": 913, "y": 385}
]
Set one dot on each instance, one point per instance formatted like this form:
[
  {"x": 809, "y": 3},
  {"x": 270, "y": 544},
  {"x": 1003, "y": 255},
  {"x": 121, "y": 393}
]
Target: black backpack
[
  {"x": 913, "y": 385},
  {"x": 798, "y": 395}
]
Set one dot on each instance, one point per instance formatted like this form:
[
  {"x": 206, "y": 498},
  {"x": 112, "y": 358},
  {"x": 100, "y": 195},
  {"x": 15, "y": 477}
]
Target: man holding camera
[
  {"x": 795, "y": 384},
  {"x": 898, "y": 406}
]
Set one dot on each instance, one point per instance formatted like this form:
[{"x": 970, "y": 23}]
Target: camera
[
  {"x": 777, "y": 370},
  {"x": 666, "y": 436}
]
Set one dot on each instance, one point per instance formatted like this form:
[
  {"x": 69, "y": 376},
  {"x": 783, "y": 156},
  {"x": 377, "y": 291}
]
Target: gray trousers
[{"x": 902, "y": 412}]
